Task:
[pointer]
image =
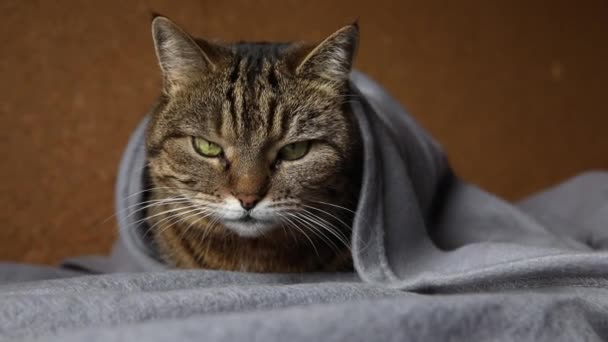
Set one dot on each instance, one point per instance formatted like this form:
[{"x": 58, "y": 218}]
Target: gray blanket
[{"x": 436, "y": 259}]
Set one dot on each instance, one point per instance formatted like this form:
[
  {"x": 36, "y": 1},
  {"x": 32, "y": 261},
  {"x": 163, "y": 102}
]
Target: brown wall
[{"x": 514, "y": 90}]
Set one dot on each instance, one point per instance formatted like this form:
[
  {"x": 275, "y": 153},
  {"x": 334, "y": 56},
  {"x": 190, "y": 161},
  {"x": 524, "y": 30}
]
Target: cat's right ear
[
  {"x": 331, "y": 60},
  {"x": 181, "y": 59}
]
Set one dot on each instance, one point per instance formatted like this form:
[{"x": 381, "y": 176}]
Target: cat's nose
[{"x": 248, "y": 201}]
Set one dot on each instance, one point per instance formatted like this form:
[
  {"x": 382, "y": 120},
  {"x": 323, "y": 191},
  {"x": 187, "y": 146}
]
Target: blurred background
[{"x": 516, "y": 92}]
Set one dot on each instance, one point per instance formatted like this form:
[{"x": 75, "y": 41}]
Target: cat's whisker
[
  {"x": 212, "y": 222},
  {"x": 105, "y": 220},
  {"x": 329, "y": 226},
  {"x": 148, "y": 204},
  {"x": 157, "y": 188},
  {"x": 161, "y": 213},
  {"x": 183, "y": 217},
  {"x": 203, "y": 214},
  {"x": 317, "y": 231},
  {"x": 288, "y": 231},
  {"x": 204, "y": 211},
  {"x": 364, "y": 221},
  {"x": 155, "y": 203},
  {"x": 335, "y": 206},
  {"x": 330, "y": 214},
  {"x": 159, "y": 222},
  {"x": 138, "y": 222},
  {"x": 178, "y": 215},
  {"x": 172, "y": 212},
  {"x": 292, "y": 224},
  {"x": 323, "y": 224},
  {"x": 151, "y": 201},
  {"x": 203, "y": 235},
  {"x": 282, "y": 224},
  {"x": 342, "y": 236}
]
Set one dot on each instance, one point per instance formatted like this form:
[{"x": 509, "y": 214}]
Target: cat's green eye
[
  {"x": 294, "y": 151},
  {"x": 206, "y": 148}
]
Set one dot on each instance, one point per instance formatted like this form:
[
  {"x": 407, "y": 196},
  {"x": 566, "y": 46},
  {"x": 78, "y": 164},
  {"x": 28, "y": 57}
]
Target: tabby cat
[{"x": 254, "y": 157}]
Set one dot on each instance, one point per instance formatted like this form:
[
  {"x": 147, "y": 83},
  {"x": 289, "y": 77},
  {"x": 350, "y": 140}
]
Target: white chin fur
[
  {"x": 250, "y": 229},
  {"x": 263, "y": 218}
]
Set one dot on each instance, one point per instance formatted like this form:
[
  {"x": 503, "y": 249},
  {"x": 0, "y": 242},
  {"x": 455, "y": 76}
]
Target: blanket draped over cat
[{"x": 417, "y": 225}]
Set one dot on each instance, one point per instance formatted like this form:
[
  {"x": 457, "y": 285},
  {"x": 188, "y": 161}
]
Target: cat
[{"x": 254, "y": 156}]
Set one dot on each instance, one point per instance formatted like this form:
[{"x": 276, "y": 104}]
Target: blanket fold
[{"x": 418, "y": 227}]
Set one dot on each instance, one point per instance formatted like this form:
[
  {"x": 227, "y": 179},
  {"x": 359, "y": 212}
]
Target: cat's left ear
[
  {"x": 182, "y": 60},
  {"x": 330, "y": 60}
]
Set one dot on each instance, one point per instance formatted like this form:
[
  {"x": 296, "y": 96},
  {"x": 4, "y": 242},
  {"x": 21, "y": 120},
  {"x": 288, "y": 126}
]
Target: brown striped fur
[{"x": 252, "y": 99}]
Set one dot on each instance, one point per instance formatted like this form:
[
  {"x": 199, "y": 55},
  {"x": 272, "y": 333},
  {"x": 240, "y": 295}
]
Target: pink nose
[{"x": 248, "y": 201}]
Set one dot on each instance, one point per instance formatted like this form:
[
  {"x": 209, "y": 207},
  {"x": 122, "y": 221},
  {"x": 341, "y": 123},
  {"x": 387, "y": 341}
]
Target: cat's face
[{"x": 254, "y": 136}]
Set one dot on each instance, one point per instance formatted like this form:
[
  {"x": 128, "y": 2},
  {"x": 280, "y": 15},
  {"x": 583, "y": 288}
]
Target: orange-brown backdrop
[{"x": 516, "y": 91}]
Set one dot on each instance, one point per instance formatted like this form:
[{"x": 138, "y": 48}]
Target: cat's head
[{"x": 254, "y": 135}]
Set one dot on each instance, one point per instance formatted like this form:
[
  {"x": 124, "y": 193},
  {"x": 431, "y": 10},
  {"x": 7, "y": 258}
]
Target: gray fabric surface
[
  {"x": 436, "y": 259},
  {"x": 223, "y": 306}
]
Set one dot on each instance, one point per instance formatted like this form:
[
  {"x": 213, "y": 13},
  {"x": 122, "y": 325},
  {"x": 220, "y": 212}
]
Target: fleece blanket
[{"x": 436, "y": 258}]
